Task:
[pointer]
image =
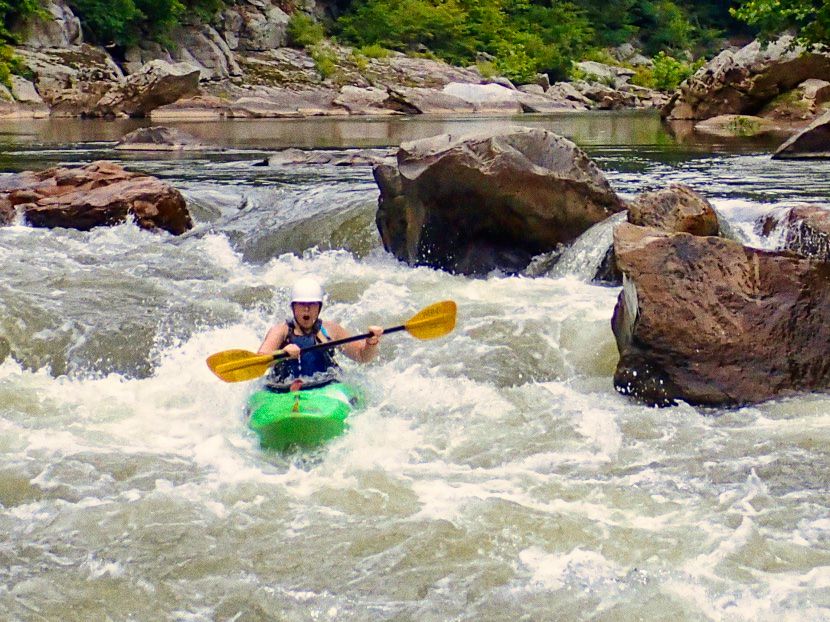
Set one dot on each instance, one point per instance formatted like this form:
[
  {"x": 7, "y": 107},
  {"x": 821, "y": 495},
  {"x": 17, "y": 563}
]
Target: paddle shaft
[{"x": 340, "y": 342}]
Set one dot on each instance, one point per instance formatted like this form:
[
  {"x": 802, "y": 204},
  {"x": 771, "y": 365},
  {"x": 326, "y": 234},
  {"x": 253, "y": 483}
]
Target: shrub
[
  {"x": 516, "y": 64},
  {"x": 666, "y": 74},
  {"x": 643, "y": 76},
  {"x": 603, "y": 56},
  {"x": 304, "y": 31},
  {"x": 125, "y": 22},
  {"x": 12, "y": 10},
  {"x": 325, "y": 60},
  {"x": 374, "y": 51},
  {"x": 359, "y": 60},
  {"x": 487, "y": 68},
  {"x": 11, "y": 64},
  {"x": 669, "y": 72}
]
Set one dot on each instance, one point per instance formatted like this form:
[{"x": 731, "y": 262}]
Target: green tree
[
  {"x": 809, "y": 18},
  {"x": 13, "y": 10},
  {"x": 407, "y": 24},
  {"x": 523, "y": 36},
  {"x": 122, "y": 23}
]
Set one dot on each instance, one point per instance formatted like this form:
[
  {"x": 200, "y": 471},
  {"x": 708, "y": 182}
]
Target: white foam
[{"x": 578, "y": 567}]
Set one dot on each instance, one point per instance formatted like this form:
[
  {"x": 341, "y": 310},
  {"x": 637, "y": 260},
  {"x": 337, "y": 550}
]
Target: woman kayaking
[{"x": 305, "y": 329}]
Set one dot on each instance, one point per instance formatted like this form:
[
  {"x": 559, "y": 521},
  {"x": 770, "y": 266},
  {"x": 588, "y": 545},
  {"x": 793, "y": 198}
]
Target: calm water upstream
[{"x": 493, "y": 475}]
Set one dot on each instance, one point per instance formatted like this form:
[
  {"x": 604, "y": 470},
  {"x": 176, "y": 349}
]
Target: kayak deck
[{"x": 304, "y": 418}]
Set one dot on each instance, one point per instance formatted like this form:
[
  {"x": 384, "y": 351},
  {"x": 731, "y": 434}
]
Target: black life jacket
[{"x": 310, "y": 363}]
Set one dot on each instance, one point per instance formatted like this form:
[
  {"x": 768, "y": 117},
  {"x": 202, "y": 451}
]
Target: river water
[{"x": 494, "y": 474}]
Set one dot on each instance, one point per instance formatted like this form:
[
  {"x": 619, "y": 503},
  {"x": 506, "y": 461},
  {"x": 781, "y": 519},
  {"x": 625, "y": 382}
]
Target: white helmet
[{"x": 307, "y": 289}]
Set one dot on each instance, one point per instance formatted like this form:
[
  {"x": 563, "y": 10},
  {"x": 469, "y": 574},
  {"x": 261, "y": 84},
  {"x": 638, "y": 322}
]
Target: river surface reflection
[{"x": 584, "y": 128}]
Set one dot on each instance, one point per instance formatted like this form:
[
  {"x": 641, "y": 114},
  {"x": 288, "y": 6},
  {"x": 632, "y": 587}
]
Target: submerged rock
[
  {"x": 159, "y": 138},
  {"x": 333, "y": 157},
  {"x": 737, "y": 126}
]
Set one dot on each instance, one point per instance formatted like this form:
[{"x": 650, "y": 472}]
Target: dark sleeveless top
[{"x": 318, "y": 362}]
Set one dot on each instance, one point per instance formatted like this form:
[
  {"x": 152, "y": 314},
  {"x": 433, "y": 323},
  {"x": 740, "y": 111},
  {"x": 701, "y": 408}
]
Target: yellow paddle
[{"x": 433, "y": 321}]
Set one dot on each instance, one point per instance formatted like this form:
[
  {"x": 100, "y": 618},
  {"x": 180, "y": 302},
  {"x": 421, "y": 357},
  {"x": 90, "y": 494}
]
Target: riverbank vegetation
[
  {"x": 514, "y": 38},
  {"x": 11, "y": 11}
]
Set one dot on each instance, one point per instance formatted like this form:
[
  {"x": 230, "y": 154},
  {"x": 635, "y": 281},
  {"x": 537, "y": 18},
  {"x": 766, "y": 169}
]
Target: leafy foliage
[
  {"x": 523, "y": 37},
  {"x": 124, "y": 22},
  {"x": 810, "y": 18},
  {"x": 666, "y": 73},
  {"x": 325, "y": 60},
  {"x": 515, "y": 38},
  {"x": 10, "y": 12},
  {"x": 303, "y": 31},
  {"x": 11, "y": 64},
  {"x": 13, "y": 10}
]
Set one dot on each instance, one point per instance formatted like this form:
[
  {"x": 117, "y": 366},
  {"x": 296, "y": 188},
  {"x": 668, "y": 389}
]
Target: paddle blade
[
  {"x": 239, "y": 365},
  {"x": 433, "y": 321}
]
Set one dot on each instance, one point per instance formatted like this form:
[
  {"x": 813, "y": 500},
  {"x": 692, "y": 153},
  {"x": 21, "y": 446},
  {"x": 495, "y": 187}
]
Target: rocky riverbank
[{"x": 240, "y": 66}]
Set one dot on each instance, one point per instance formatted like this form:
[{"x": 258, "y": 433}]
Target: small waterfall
[{"x": 581, "y": 259}]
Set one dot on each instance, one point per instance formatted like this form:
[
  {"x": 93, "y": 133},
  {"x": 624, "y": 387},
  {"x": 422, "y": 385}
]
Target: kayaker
[{"x": 304, "y": 329}]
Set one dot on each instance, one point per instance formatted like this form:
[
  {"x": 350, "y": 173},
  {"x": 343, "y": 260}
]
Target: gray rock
[
  {"x": 61, "y": 30},
  {"x": 159, "y": 138},
  {"x": 812, "y": 142},
  {"x": 157, "y": 84},
  {"x": 369, "y": 100},
  {"x": 743, "y": 81},
  {"x": 485, "y": 98},
  {"x": 416, "y": 100},
  {"x": 254, "y": 26},
  {"x": 490, "y": 200},
  {"x": 24, "y": 91}
]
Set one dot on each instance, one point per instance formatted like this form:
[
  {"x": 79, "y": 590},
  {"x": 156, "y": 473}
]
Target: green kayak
[{"x": 304, "y": 418}]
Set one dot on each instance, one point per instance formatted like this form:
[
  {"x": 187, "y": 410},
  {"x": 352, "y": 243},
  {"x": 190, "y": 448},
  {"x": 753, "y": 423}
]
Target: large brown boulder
[
  {"x": 743, "y": 81},
  {"x": 711, "y": 322},
  {"x": 485, "y": 201},
  {"x": 101, "y": 193}
]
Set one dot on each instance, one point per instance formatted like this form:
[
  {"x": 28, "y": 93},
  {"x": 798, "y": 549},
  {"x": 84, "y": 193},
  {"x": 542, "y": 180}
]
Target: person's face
[{"x": 305, "y": 313}]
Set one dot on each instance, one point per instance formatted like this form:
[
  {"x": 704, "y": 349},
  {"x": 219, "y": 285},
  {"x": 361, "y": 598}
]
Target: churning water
[{"x": 493, "y": 475}]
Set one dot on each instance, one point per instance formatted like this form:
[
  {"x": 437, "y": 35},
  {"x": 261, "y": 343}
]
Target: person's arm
[
  {"x": 361, "y": 351},
  {"x": 275, "y": 337}
]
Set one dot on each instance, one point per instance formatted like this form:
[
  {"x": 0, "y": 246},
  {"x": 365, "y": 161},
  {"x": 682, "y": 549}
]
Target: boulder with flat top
[{"x": 158, "y": 83}]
